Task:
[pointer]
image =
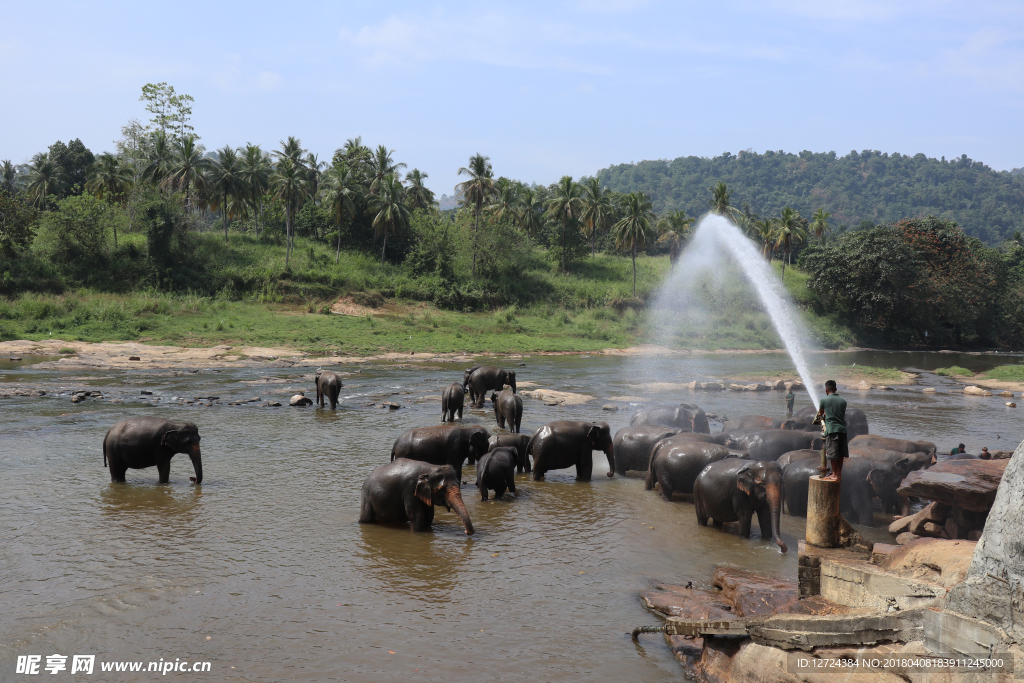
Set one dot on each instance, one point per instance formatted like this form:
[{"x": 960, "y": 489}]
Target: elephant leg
[
  {"x": 702, "y": 514},
  {"x": 511, "y": 482},
  {"x": 764, "y": 522},
  {"x": 460, "y": 413},
  {"x": 584, "y": 467},
  {"x": 500, "y": 491},
  {"x": 117, "y": 471},
  {"x": 334, "y": 399},
  {"x": 483, "y": 491},
  {"x": 744, "y": 520},
  {"x": 366, "y": 513},
  {"x": 665, "y": 488},
  {"x": 163, "y": 468},
  {"x": 422, "y": 516}
]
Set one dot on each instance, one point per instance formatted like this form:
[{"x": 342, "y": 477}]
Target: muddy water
[{"x": 264, "y": 572}]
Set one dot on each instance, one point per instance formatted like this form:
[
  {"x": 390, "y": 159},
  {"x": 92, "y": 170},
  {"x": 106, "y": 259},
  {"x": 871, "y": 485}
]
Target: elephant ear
[
  {"x": 594, "y": 434},
  {"x": 515, "y": 456},
  {"x": 743, "y": 483},
  {"x": 423, "y": 491},
  {"x": 169, "y": 438}
]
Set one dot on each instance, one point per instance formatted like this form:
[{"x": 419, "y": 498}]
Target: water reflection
[{"x": 424, "y": 566}]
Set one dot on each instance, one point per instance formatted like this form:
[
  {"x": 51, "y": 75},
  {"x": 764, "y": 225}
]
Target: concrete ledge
[
  {"x": 946, "y": 631},
  {"x": 860, "y": 584}
]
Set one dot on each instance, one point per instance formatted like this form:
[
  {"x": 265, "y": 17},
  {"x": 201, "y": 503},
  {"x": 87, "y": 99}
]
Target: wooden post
[{"x": 824, "y": 523}]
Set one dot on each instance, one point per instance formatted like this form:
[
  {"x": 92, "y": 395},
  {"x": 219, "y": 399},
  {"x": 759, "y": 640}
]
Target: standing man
[
  {"x": 833, "y": 410},
  {"x": 789, "y": 402}
]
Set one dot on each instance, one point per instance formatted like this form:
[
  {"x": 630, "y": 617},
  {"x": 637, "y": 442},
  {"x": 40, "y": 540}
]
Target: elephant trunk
[
  {"x": 453, "y": 498},
  {"x": 774, "y": 491},
  {"x": 609, "y": 453},
  {"x": 197, "y": 463}
]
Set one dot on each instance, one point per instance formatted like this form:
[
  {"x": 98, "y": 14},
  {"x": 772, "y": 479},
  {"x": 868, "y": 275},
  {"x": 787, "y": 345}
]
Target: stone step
[{"x": 860, "y": 584}]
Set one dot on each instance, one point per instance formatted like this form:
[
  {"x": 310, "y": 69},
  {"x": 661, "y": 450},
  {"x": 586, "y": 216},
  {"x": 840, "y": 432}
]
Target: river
[{"x": 264, "y": 572}]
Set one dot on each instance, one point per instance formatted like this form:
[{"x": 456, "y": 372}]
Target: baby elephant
[
  {"x": 328, "y": 386},
  {"x": 508, "y": 406},
  {"x": 452, "y": 400},
  {"x": 497, "y": 471}
]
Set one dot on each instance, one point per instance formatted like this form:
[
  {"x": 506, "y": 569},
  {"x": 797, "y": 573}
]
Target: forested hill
[{"x": 865, "y": 186}]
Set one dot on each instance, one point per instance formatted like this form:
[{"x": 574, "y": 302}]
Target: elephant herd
[{"x": 759, "y": 466}]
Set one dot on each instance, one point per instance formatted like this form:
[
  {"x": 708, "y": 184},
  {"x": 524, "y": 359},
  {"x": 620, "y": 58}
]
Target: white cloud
[
  {"x": 991, "y": 56},
  {"x": 268, "y": 80}
]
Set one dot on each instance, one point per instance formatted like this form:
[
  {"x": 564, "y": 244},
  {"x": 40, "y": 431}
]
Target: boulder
[
  {"x": 779, "y": 385},
  {"x": 709, "y": 386},
  {"x": 900, "y": 525},
  {"x": 1001, "y": 455},
  {"x": 610, "y": 407},
  {"x": 300, "y": 400},
  {"x": 134, "y": 358},
  {"x": 1010, "y": 404},
  {"x": 928, "y": 390},
  {"x": 1006, "y": 394},
  {"x": 972, "y": 390},
  {"x": 967, "y": 484},
  {"x": 940, "y": 561},
  {"x": 795, "y": 385},
  {"x": 906, "y": 537},
  {"x": 933, "y": 514},
  {"x": 882, "y": 387}
]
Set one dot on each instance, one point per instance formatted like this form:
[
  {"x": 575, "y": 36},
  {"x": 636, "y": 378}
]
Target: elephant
[
  {"x": 675, "y": 464},
  {"x": 442, "y": 445},
  {"x": 484, "y": 378},
  {"x": 685, "y": 416},
  {"x": 633, "y": 445},
  {"x": 407, "y": 491},
  {"x": 769, "y": 444},
  {"x": 912, "y": 461},
  {"x": 890, "y": 444},
  {"x": 732, "y": 490},
  {"x": 803, "y": 454},
  {"x": 141, "y": 442},
  {"x": 497, "y": 471},
  {"x": 856, "y": 421},
  {"x": 508, "y": 406},
  {"x": 566, "y": 443},
  {"x": 863, "y": 480},
  {"x": 328, "y": 386},
  {"x": 516, "y": 441},
  {"x": 452, "y": 400}
]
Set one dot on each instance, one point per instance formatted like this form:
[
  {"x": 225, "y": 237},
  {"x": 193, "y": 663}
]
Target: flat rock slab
[
  {"x": 561, "y": 397},
  {"x": 967, "y": 484}
]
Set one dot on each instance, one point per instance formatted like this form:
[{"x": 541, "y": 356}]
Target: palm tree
[
  {"x": 227, "y": 180},
  {"x": 565, "y": 206},
  {"x": 597, "y": 210},
  {"x": 109, "y": 177},
  {"x": 381, "y": 165},
  {"x": 788, "y": 230},
  {"x": 160, "y": 159},
  {"x": 530, "y": 211},
  {"x": 766, "y": 234},
  {"x": 418, "y": 195},
  {"x": 187, "y": 173},
  {"x": 720, "y": 195},
  {"x": 820, "y": 226},
  {"x": 389, "y": 208},
  {"x": 674, "y": 227},
  {"x": 506, "y": 201},
  {"x": 354, "y": 153},
  {"x": 476, "y": 190},
  {"x": 44, "y": 178},
  {"x": 288, "y": 183},
  {"x": 339, "y": 188},
  {"x": 314, "y": 170},
  {"x": 255, "y": 174},
  {"x": 292, "y": 149},
  {"x": 634, "y": 229},
  {"x": 8, "y": 176}
]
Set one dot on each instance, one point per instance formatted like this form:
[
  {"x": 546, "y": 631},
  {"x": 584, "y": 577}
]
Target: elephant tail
[
  {"x": 104, "y": 451},
  {"x": 529, "y": 446}
]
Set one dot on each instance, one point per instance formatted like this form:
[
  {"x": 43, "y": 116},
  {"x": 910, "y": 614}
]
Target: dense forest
[
  {"x": 861, "y": 189},
  {"x": 161, "y": 215}
]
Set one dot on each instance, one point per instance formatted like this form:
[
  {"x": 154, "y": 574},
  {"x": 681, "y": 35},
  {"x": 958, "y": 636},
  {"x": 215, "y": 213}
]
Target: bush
[{"x": 955, "y": 371}]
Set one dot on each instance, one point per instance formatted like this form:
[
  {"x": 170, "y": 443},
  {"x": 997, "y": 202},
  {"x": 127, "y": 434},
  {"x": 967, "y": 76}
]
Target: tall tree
[
  {"x": 187, "y": 169},
  {"x": 505, "y": 207},
  {"x": 766, "y": 234},
  {"x": 820, "y": 226},
  {"x": 634, "y": 229},
  {"x": 227, "y": 183},
  {"x": 292, "y": 149},
  {"x": 355, "y": 154},
  {"x": 340, "y": 188},
  {"x": 530, "y": 212},
  {"x": 160, "y": 160},
  {"x": 171, "y": 111},
  {"x": 389, "y": 209},
  {"x": 44, "y": 179},
  {"x": 475, "y": 191},
  {"x": 381, "y": 165},
  {"x": 674, "y": 228},
  {"x": 255, "y": 173},
  {"x": 110, "y": 179},
  {"x": 288, "y": 183},
  {"x": 418, "y": 195},
  {"x": 314, "y": 174},
  {"x": 788, "y": 230},
  {"x": 597, "y": 212},
  {"x": 720, "y": 198},
  {"x": 75, "y": 160},
  {"x": 565, "y": 206},
  {"x": 8, "y": 176}
]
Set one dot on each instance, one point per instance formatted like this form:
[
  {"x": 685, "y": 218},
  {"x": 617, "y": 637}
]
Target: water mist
[{"x": 716, "y": 243}]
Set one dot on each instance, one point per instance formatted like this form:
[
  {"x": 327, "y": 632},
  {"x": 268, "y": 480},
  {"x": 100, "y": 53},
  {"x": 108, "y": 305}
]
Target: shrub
[{"x": 954, "y": 371}]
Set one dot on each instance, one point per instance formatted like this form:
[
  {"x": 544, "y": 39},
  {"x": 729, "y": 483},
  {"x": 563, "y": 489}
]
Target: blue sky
[{"x": 543, "y": 88}]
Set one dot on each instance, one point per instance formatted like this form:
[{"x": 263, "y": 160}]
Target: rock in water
[
  {"x": 610, "y": 407},
  {"x": 967, "y": 484},
  {"x": 300, "y": 400},
  {"x": 976, "y": 391}
]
